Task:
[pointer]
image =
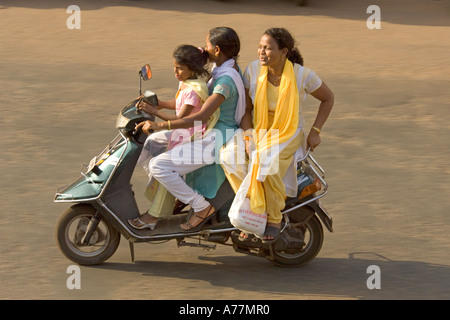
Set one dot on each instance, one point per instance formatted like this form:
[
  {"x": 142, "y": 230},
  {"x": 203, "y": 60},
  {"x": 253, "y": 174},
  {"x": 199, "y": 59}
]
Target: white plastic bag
[{"x": 241, "y": 215}]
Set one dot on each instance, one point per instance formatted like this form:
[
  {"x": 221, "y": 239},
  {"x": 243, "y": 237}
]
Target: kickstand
[
  {"x": 272, "y": 256},
  {"x": 132, "y": 251}
]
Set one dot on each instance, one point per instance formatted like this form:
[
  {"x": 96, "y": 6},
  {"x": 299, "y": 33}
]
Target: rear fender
[
  {"x": 303, "y": 214},
  {"x": 322, "y": 214}
]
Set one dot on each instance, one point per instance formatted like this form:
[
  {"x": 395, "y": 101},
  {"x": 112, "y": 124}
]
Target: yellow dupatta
[{"x": 284, "y": 125}]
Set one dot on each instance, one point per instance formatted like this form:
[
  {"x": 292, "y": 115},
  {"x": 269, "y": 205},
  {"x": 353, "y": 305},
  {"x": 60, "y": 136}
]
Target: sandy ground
[{"x": 385, "y": 147}]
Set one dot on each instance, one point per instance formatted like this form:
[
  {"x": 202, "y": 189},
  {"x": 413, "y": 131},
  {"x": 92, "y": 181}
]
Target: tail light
[{"x": 310, "y": 189}]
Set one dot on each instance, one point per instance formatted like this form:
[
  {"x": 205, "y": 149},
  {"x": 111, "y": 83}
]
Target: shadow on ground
[{"x": 332, "y": 277}]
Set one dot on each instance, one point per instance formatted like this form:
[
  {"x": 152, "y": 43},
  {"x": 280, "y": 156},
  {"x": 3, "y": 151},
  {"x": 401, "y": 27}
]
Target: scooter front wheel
[{"x": 71, "y": 229}]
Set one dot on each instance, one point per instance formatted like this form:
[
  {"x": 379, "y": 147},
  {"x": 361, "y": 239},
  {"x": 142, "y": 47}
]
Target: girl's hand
[
  {"x": 147, "y": 108},
  {"x": 249, "y": 143},
  {"x": 147, "y": 126},
  {"x": 249, "y": 147},
  {"x": 313, "y": 139}
]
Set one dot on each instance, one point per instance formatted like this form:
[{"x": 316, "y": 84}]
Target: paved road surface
[{"x": 384, "y": 147}]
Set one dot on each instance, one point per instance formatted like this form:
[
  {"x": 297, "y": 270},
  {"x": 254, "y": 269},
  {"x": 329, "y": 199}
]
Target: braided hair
[{"x": 227, "y": 40}]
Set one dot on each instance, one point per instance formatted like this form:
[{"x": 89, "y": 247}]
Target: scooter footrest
[{"x": 182, "y": 243}]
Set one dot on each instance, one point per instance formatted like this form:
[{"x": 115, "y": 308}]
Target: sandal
[
  {"x": 190, "y": 227},
  {"x": 139, "y": 224},
  {"x": 273, "y": 232}
]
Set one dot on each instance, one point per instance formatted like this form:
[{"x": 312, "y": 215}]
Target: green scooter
[{"x": 89, "y": 232}]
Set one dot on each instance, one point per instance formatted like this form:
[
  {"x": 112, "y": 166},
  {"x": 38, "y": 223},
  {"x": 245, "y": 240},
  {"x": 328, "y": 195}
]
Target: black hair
[
  {"x": 192, "y": 57},
  {"x": 285, "y": 40},
  {"x": 227, "y": 40}
]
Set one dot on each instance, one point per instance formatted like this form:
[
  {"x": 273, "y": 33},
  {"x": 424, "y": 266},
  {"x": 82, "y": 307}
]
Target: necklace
[{"x": 275, "y": 80}]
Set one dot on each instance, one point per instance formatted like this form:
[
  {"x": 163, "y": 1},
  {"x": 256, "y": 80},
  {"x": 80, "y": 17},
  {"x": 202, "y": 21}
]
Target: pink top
[{"x": 186, "y": 96}]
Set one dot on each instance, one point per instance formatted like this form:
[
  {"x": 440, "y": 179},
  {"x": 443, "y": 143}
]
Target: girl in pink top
[
  {"x": 188, "y": 64},
  {"x": 188, "y": 100}
]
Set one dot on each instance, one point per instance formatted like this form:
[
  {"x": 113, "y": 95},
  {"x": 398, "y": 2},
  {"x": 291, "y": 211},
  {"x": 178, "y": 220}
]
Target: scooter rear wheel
[
  {"x": 313, "y": 238},
  {"x": 71, "y": 228}
]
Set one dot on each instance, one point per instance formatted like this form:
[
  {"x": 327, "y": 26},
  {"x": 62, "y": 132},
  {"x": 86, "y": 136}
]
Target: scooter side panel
[{"x": 118, "y": 195}]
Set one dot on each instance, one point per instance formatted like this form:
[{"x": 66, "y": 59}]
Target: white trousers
[
  {"x": 170, "y": 167},
  {"x": 155, "y": 144}
]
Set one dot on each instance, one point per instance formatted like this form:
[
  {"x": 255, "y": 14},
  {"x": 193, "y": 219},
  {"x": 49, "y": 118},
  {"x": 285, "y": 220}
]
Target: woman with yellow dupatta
[{"x": 276, "y": 85}]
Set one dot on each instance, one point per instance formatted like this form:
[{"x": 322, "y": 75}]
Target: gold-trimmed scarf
[
  {"x": 284, "y": 126},
  {"x": 201, "y": 89},
  {"x": 199, "y": 86}
]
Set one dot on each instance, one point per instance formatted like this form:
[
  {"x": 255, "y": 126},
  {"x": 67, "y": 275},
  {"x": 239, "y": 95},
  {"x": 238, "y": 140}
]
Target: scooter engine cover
[{"x": 291, "y": 240}]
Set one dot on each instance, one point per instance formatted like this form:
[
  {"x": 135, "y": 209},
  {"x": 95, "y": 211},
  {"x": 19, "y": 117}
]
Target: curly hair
[{"x": 285, "y": 40}]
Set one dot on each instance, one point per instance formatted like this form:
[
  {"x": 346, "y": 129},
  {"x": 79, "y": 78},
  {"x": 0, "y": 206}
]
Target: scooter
[{"x": 89, "y": 232}]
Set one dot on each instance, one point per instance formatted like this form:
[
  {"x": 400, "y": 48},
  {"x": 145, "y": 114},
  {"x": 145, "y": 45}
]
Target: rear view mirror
[{"x": 146, "y": 72}]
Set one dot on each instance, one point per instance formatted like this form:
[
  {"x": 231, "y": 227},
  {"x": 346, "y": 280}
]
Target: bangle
[
  {"x": 169, "y": 126},
  {"x": 316, "y": 129},
  {"x": 248, "y": 133}
]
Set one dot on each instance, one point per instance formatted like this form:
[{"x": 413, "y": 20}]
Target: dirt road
[{"x": 385, "y": 147}]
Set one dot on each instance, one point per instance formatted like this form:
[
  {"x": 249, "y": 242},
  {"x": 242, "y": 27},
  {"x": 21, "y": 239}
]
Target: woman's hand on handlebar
[
  {"x": 146, "y": 126},
  {"x": 146, "y": 107}
]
